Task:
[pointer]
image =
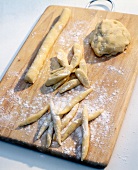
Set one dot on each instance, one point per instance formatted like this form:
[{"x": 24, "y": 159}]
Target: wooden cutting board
[{"x": 112, "y": 80}]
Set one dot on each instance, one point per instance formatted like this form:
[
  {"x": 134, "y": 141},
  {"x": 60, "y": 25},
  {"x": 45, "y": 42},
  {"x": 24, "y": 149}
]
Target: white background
[{"x": 17, "y": 18}]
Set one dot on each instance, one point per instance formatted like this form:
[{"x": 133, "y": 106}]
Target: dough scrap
[{"x": 110, "y": 37}]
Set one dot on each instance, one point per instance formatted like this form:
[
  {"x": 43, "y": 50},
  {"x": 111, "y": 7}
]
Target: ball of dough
[{"x": 109, "y": 38}]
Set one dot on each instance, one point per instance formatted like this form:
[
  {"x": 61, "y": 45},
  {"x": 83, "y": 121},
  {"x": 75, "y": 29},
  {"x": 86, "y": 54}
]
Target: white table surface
[{"x": 17, "y": 19}]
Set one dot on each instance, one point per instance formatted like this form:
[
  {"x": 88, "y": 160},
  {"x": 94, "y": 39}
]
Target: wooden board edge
[
  {"x": 51, "y": 153},
  {"x": 124, "y": 109},
  {"x": 131, "y": 85}
]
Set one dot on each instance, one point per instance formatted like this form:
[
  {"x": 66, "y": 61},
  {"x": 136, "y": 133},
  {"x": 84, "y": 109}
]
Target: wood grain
[{"x": 111, "y": 78}]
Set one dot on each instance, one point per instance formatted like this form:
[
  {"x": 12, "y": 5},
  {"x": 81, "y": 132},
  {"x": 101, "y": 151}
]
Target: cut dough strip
[
  {"x": 56, "y": 77},
  {"x": 69, "y": 85},
  {"x": 77, "y": 48},
  {"x": 83, "y": 65},
  {"x": 74, "y": 101},
  {"x": 59, "y": 75},
  {"x": 62, "y": 58},
  {"x": 33, "y": 118},
  {"x": 49, "y": 135},
  {"x": 85, "y": 133},
  {"x": 50, "y": 39},
  {"x": 80, "y": 74},
  {"x": 65, "y": 133},
  {"x": 57, "y": 123}
]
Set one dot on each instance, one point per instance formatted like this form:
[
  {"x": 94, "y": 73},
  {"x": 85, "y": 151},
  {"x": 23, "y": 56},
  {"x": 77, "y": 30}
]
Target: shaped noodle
[
  {"x": 61, "y": 82},
  {"x": 85, "y": 133},
  {"x": 57, "y": 123},
  {"x": 44, "y": 126},
  {"x": 49, "y": 135},
  {"x": 56, "y": 77},
  {"x": 77, "y": 48},
  {"x": 80, "y": 74},
  {"x": 83, "y": 65},
  {"x": 66, "y": 119},
  {"x": 34, "y": 117},
  {"x": 70, "y": 128},
  {"x": 56, "y": 70},
  {"x": 62, "y": 58},
  {"x": 65, "y": 133},
  {"x": 74, "y": 101},
  {"x": 69, "y": 85}
]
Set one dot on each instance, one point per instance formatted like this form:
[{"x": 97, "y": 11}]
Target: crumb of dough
[{"x": 110, "y": 37}]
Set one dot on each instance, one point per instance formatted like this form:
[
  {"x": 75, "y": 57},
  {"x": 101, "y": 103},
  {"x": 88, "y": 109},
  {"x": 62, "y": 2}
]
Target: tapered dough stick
[
  {"x": 80, "y": 74},
  {"x": 77, "y": 48},
  {"x": 83, "y": 65},
  {"x": 95, "y": 114},
  {"x": 44, "y": 126},
  {"x": 47, "y": 44},
  {"x": 74, "y": 101},
  {"x": 56, "y": 77},
  {"x": 56, "y": 122},
  {"x": 67, "y": 118},
  {"x": 55, "y": 86},
  {"x": 65, "y": 133},
  {"x": 49, "y": 135},
  {"x": 62, "y": 58},
  {"x": 85, "y": 133},
  {"x": 69, "y": 85},
  {"x": 70, "y": 129},
  {"x": 34, "y": 117}
]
